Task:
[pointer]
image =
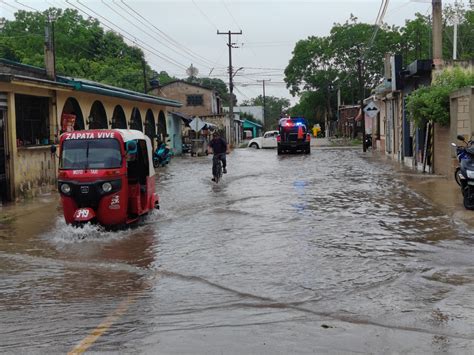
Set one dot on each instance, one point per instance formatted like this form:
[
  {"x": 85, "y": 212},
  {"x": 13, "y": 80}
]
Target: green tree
[
  {"x": 432, "y": 102},
  {"x": 322, "y": 65},
  {"x": 83, "y": 48}
]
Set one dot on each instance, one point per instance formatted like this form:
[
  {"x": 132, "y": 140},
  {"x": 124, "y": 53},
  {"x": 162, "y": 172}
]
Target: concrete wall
[
  {"x": 443, "y": 161},
  {"x": 178, "y": 91},
  {"x": 462, "y": 113},
  {"x": 461, "y": 123},
  {"x": 174, "y": 128}
]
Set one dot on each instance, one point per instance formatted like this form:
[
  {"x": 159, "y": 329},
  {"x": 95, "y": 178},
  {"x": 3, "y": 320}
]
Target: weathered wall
[
  {"x": 443, "y": 162},
  {"x": 178, "y": 91},
  {"x": 462, "y": 113},
  {"x": 461, "y": 123},
  {"x": 35, "y": 171}
]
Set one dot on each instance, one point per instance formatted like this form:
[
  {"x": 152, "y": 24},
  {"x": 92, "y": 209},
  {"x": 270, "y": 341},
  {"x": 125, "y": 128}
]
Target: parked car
[{"x": 268, "y": 140}]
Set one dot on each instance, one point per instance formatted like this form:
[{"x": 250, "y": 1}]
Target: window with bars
[
  {"x": 32, "y": 120},
  {"x": 194, "y": 100}
]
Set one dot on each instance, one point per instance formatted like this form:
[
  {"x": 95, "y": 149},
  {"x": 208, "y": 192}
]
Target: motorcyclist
[{"x": 218, "y": 146}]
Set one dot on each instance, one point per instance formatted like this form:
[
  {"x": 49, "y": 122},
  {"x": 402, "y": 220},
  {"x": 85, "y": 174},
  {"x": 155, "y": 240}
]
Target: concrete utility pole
[
  {"x": 231, "y": 84},
  {"x": 264, "y": 103},
  {"x": 361, "y": 94},
  {"x": 437, "y": 32},
  {"x": 49, "y": 50}
]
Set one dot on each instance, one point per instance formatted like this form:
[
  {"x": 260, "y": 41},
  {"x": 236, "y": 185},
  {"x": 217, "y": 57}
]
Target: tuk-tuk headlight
[
  {"x": 65, "y": 189},
  {"x": 107, "y": 187}
]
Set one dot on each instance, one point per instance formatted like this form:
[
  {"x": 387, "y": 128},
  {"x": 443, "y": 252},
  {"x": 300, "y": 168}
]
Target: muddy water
[{"x": 323, "y": 253}]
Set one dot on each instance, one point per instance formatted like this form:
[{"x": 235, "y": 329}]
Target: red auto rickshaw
[{"x": 106, "y": 177}]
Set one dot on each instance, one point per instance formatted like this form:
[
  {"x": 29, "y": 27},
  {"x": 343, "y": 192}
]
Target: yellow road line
[{"x": 87, "y": 342}]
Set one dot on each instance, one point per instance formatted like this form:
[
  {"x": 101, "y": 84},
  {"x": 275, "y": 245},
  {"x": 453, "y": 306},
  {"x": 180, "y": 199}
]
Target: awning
[{"x": 186, "y": 119}]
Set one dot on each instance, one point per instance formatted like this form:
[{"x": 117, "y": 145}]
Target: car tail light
[
  {"x": 278, "y": 138},
  {"x": 308, "y": 137}
]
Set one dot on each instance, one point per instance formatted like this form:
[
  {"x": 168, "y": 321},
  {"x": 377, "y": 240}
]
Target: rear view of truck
[{"x": 294, "y": 135}]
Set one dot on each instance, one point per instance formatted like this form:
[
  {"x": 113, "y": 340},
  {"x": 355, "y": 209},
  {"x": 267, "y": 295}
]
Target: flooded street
[{"x": 323, "y": 253}]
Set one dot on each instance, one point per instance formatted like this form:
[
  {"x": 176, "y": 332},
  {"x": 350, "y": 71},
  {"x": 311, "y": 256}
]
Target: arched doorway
[
  {"x": 97, "y": 116},
  {"x": 162, "y": 133},
  {"x": 72, "y": 107},
  {"x": 136, "y": 120},
  {"x": 118, "y": 118},
  {"x": 150, "y": 128}
]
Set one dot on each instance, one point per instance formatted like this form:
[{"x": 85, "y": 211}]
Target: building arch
[
  {"x": 150, "y": 128},
  {"x": 161, "y": 127},
  {"x": 136, "y": 120},
  {"x": 97, "y": 116},
  {"x": 72, "y": 107},
  {"x": 118, "y": 118}
]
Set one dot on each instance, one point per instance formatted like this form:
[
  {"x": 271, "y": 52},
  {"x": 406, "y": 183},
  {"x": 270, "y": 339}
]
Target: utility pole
[
  {"x": 49, "y": 50},
  {"x": 231, "y": 84},
  {"x": 361, "y": 94},
  {"x": 264, "y": 101},
  {"x": 437, "y": 33}
]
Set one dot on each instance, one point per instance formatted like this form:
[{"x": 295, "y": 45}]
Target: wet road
[{"x": 294, "y": 254}]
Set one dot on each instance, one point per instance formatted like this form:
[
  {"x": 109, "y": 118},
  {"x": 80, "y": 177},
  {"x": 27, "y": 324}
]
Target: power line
[
  {"x": 134, "y": 41},
  {"x": 146, "y": 32},
  {"x": 204, "y": 15},
  {"x": 14, "y": 7},
  {"x": 27, "y": 6},
  {"x": 164, "y": 35},
  {"x": 232, "y": 16}
]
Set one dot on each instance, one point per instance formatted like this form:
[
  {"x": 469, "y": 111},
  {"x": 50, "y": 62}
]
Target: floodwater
[{"x": 327, "y": 253}]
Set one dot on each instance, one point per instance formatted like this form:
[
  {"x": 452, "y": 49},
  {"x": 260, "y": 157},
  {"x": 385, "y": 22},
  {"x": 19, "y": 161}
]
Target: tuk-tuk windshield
[{"x": 90, "y": 154}]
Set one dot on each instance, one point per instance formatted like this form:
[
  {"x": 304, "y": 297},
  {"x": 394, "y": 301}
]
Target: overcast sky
[{"x": 176, "y": 34}]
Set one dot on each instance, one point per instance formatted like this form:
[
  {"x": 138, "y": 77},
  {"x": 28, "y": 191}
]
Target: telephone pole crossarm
[{"x": 231, "y": 74}]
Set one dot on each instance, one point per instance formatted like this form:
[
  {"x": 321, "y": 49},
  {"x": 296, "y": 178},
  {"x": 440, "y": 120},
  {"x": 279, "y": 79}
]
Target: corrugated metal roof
[
  {"x": 108, "y": 90},
  {"x": 79, "y": 84}
]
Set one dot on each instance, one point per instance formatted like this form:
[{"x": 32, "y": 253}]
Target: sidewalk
[{"x": 441, "y": 191}]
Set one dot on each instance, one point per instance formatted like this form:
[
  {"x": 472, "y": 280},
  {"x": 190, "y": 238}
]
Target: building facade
[
  {"x": 35, "y": 110},
  {"x": 205, "y": 103}
]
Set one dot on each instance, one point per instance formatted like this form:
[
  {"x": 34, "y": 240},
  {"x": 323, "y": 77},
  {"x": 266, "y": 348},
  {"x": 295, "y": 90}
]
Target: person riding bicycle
[{"x": 218, "y": 146}]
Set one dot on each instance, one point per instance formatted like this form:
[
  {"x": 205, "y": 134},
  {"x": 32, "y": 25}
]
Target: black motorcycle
[
  {"x": 464, "y": 174},
  {"x": 368, "y": 141}
]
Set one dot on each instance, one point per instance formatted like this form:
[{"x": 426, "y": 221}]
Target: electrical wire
[
  {"x": 134, "y": 41},
  {"x": 141, "y": 29},
  {"x": 14, "y": 7},
  {"x": 27, "y": 6},
  {"x": 163, "y": 35},
  {"x": 232, "y": 16},
  {"x": 205, "y": 16}
]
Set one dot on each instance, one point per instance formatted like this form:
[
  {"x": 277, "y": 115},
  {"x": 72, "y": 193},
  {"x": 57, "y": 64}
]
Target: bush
[{"x": 432, "y": 102}]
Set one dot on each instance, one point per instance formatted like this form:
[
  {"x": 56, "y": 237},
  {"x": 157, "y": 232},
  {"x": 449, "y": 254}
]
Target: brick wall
[{"x": 179, "y": 91}]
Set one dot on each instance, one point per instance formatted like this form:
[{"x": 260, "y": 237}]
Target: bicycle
[{"x": 216, "y": 168}]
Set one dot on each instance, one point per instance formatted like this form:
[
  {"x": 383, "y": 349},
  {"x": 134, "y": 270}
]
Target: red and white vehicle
[{"x": 106, "y": 177}]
